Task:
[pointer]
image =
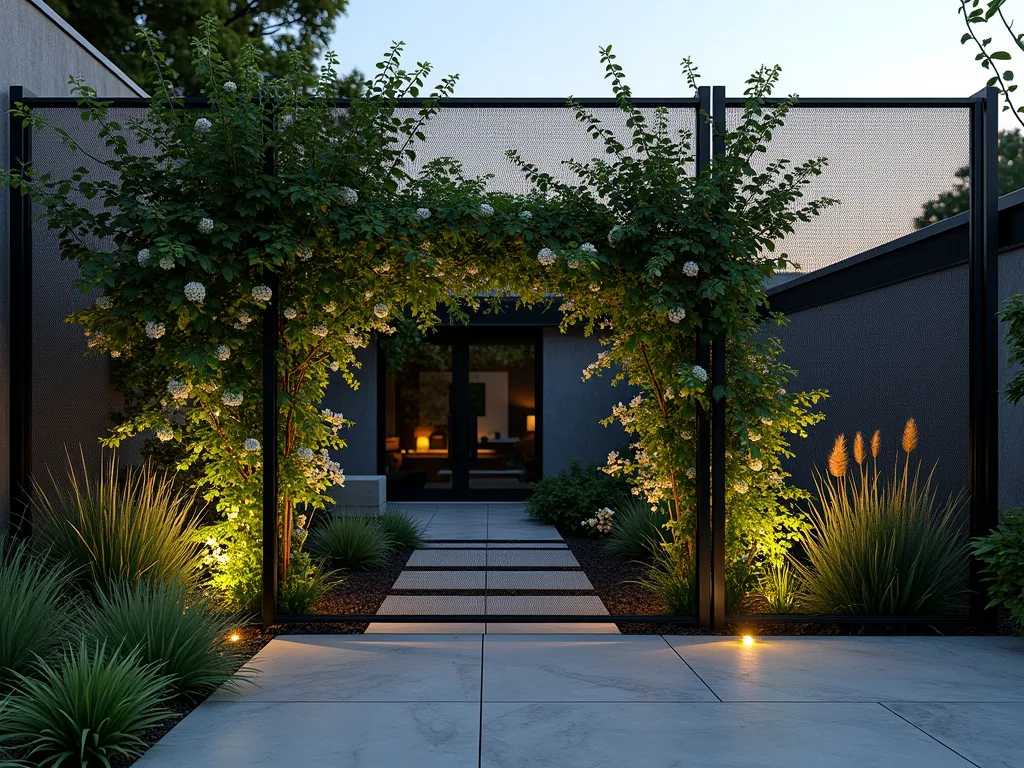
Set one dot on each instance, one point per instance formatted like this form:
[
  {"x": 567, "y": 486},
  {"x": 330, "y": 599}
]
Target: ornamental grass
[
  {"x": 636, "y": 534},
  {"x": 355, "y": 543},
  {"x": 883, "y": 547},
  {"x": 119, "y": 524},
  {"x": 405, "y": 533}
]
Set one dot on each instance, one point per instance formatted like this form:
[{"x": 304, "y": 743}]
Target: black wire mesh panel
[{"x": 884, "y": 163}]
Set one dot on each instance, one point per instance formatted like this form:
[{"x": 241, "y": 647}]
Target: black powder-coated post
[
  {"x": 984, "y": 336},
  {"x": 718, "y": 405},
  {"x": 270, "y": 436}
]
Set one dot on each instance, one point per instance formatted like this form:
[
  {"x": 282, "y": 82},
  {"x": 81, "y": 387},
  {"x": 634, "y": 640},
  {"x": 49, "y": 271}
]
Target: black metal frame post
[
  {"x": 20, "y": 351},
  {"x": 984, "y": 335},
  {"x": 704, "y": 573},
  {"x": 718, "y": 406},
  {"x": 270, "y": 318}
]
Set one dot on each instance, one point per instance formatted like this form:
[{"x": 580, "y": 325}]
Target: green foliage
[
  {"x": 883, "y": 548},
  {"x": 574, "y": 495},
  {"x": 991, "y": 58},
  {"x": 637, "y": 531},
  {"x": 288, "y": 32},
  {"x": 1012, "y": 313},
  {"x": 90, "y": 709},
  {"x": 35, "y": 607},
  {"x": 1002, "y": 551},
  {"x": 780, "y": 589},
  {"x": 671, "y": 578},
  {"x": 356, "y": 543},
  {"x": 308, "y": 582},
  {"x": 122, "y": 524},
  {"x": 958, "y": 200},
  {"x": 404, "y": 532},
  {"x": 179, "y": 634}
]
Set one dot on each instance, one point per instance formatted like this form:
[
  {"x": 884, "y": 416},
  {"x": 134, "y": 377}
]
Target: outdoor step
[
  {"x": 448, "y": 557},
  {"x": 450, "y": 580},
  {"x": 546, "y": 605},
  {"x": 436, "y": 605},
  {"x": 551, "y": 580},
  {"x": 530, "y": 557}
]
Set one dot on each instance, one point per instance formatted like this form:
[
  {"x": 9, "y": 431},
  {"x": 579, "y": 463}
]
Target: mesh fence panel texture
[{"x": 883, "y": 164}]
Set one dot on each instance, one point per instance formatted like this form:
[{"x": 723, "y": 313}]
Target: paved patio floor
[{"x": 579, "y": 701}]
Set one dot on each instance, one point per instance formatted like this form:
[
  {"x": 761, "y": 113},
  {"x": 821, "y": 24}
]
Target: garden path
[
  {"x": 489, "y": 559},
  {"x": 577, "y": 701}
]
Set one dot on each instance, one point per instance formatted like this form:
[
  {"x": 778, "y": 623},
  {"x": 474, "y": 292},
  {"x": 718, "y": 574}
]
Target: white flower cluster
[
  {"x": 195, "y": 292},
  {"x": 381, "y": 310},
  {"x": 223, "y": 352},
  {"x": 691, "y": 473},
  {"x": 319, "y": 330},
  {"x": 216, "y": 554},
  {"x": 290, "y": 313},
  {"x": 232, "y": 398},
  {"x": 155, "y": 330},
  {"x": 568, "y": 305},
  {"x": 349, "y": 196},
  {"x": 230, "y": 87},
  {"x": 208, "y": 386},
  {"x": 164, "y": 434},
  {"x": 676, "y": 315},
  {"x": 242, "y": 322},
  {"x": 486, "y": 209},
  {"x": 766, "y": 421},
  {"x": 335, "y": 420},
  {"x": 753, "y": 437},
  {"x": 602, "y": 521},
  {"x": 741, "y": 487},
  {"x": 335, "y": 366},
  {"x": 205, "y": 226},
  {"x": 261, "y": 293},
  {"x": 104, "y": 302},
  {"x": 179, "y": 389},
  {"x": 330, "y": 308},
  {"x": 93, "y": 339},
  {"x": 699, "y": 373},
  {"x": 143, "y": 257},
  {"x": 595, "y": 367},
  {"x": 588, "y": 248},
  {"x": 525, "y": 215},
  {"x": 203, "y": 125},
  {"x": 304, "y": 454},
  {"x": 546, "y": 256},
  {"x": 756, "y": 465},
  {"x": 574, "y": 262},
  {"x": 252, "y": 444},
  {"x": 615, "y": 234},
  {"x": 423, "y": 213},
  {"x": 304, "y": 254},
  {"x": 166, "y": 263},
  {"x": 691, "y": 268}
]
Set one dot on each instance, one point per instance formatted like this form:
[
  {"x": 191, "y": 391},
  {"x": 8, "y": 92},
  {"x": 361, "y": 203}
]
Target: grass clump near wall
[
  {"x": 574, "y": 495},
  {"x": 355, "y": 543},
  {"x": 404, "y": 532},
  {"x": 637, "y": 530}
]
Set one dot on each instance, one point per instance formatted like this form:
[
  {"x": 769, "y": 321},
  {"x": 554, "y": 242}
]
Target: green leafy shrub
[
  {"x": 124, "y": 525},
  {"x": 307, "y": 583},
  {"x": 637, "y": 529},
  {"x": 87, "y": 710},
  {"x": 405, "y": 532},
  {"x": 355, "y": 543},
  {"x": 35, "y": 610},
  {"x": 670, "y": 579},
  {"x": 572, "y": 496},
  {"x": 178, "y": 633},
  {"x": 780, "y": 589},
  {"x": 882, "y": 548},
  {"x": 1002, "y": 551}
]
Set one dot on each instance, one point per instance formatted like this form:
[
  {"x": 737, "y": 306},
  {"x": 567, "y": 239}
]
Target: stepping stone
[
  {"x": 431, "y": 605},
  {"x": 449, "y": 558},
  {"x": 527, "y": 558},
  {"x": 550, "y": 605},
  {"x": 454, "y": 545},
  {"x": 455, "y": 580},
  {"x": 537, "y": 580},
  {"x": 526, "y": 545}
]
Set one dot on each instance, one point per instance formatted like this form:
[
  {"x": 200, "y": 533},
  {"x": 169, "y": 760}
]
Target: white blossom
[
  {"x": 756, "y": 465},
  {"x": 595, "y": 287},
  {"x": 164, "y": 434},
  {"x": 423, "y": 213},
  {"x": 525, "y": 215},
  {"x": 319, "y": 330},
  {"x": 334, "y": 366},
  {"x": 691, "y": 473},
  {"x": 349, "y": 196},
  {"x": 753, "y": 437},
  {"x": 304, "y": 453},
  {"x": 290, "y": 313},
  {"x": 568, "y": 305},
  {"x": 203, "y": 125},
  {"x": 115, "y": 353},
  {"x": 304, "y": 254},
  {"x": 741, "y": 487},
  {"x": 486, "y": 209},
  {"x": 588, "y": 248},
  {"x": 242, "y": 322},
  {"x": 261, "y": 293},
  {"x": 104, "y": 302},
  {"x": 615, "y": 234},
  {"x": 381, "y": 310},
  {"x": 232, "y": 398},
  {"x": 179, "y": 389},
  {"x": 574, "y": 263},
  {"x": 166, "y": 263},
  {"x": 287, "y": 119},
  {"x": 205, "y": 226},
  {"x": 546, "y": 256},
  {"x": 676, "y": 315},
  {"x": 766, "y": 421},
  {"x": 143, "y": 257},
  {"x": 155, "y": 330},
  {"x": 252, "y": 444},
  {"x": 691, "y": 268},
  {"x": 699, "y": 373},
  {"x": 195, "y": 292},
  {"x": 230, "y": 87},
  {"x": 223, "y": 352},
  {"x": 335, "y": 420}
]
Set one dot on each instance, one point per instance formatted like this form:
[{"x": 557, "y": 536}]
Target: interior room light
[
  {"x": 748, "y": 640},
  {"x": 531, "y": 422},
  {"x": 423, "y": 443}
]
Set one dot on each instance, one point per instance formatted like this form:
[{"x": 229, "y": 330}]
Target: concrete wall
[
  {"x": 359, "y": 457},
  {"x": 573, "y": 409},
  {"x": 39, "y": 51}
]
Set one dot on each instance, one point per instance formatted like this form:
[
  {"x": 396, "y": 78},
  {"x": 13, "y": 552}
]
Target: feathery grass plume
[
  {"x": 910, "y": 436},
  {"x": 858, "y": 448},
  {"x": 837, "y": 460},
  {"x": 876, "y": 443}
]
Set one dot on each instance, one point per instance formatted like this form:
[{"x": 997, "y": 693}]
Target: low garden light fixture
[
  {"x": 748, "y": 640},
  {"x": 235, "y": 637}
]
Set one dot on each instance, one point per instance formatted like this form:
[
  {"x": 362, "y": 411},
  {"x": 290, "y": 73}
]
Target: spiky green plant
[
  {"x": 405, "y": 532},
  {"x": 355, "y": 543},
  {"x": 1002, "y": 551},
  {"x": 123, "y": 524},
  {"x": 670, "y": 579},
  {"x": 780, "y": 588},
  {"x": 89, "y": 709},
  {"x": 35, "y": 609},
  {"x": 178, "y": 632},
  {"x": 307, "y": 583},
  {"x": 636, "y": 532},
  {"x": 884, "y": 548}
]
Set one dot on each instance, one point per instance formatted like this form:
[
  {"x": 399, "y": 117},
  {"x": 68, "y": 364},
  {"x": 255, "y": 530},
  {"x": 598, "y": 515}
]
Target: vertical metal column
[
  {"x": 460, "y": 440},
  {"x": 703, "y": 569},
  {"x": 984, "y": 334},
  {"x": 270, "y": 319},
  {"x": 20, "y": 351},
  {"x": 718, "y": 412}
]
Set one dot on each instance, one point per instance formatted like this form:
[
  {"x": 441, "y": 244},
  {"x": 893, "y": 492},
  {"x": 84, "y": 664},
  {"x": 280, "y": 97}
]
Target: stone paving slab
[
  {"x": 538, "y": 580},
  {"x": 530, "y": 558},
  {"x": 989, "y": 735},
  {"x": 526, "y": 545},
  {"x": 450, "y": 580},
  {"x": 451, "y": 557},
  {"x": 437, "y": 605},
  {"x": 545, "y": 605}
]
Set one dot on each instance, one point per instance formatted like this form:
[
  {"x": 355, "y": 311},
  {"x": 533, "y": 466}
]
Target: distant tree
[
  {"x": 957, "y": 200},
  {"x": 281, "y": 27}
]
